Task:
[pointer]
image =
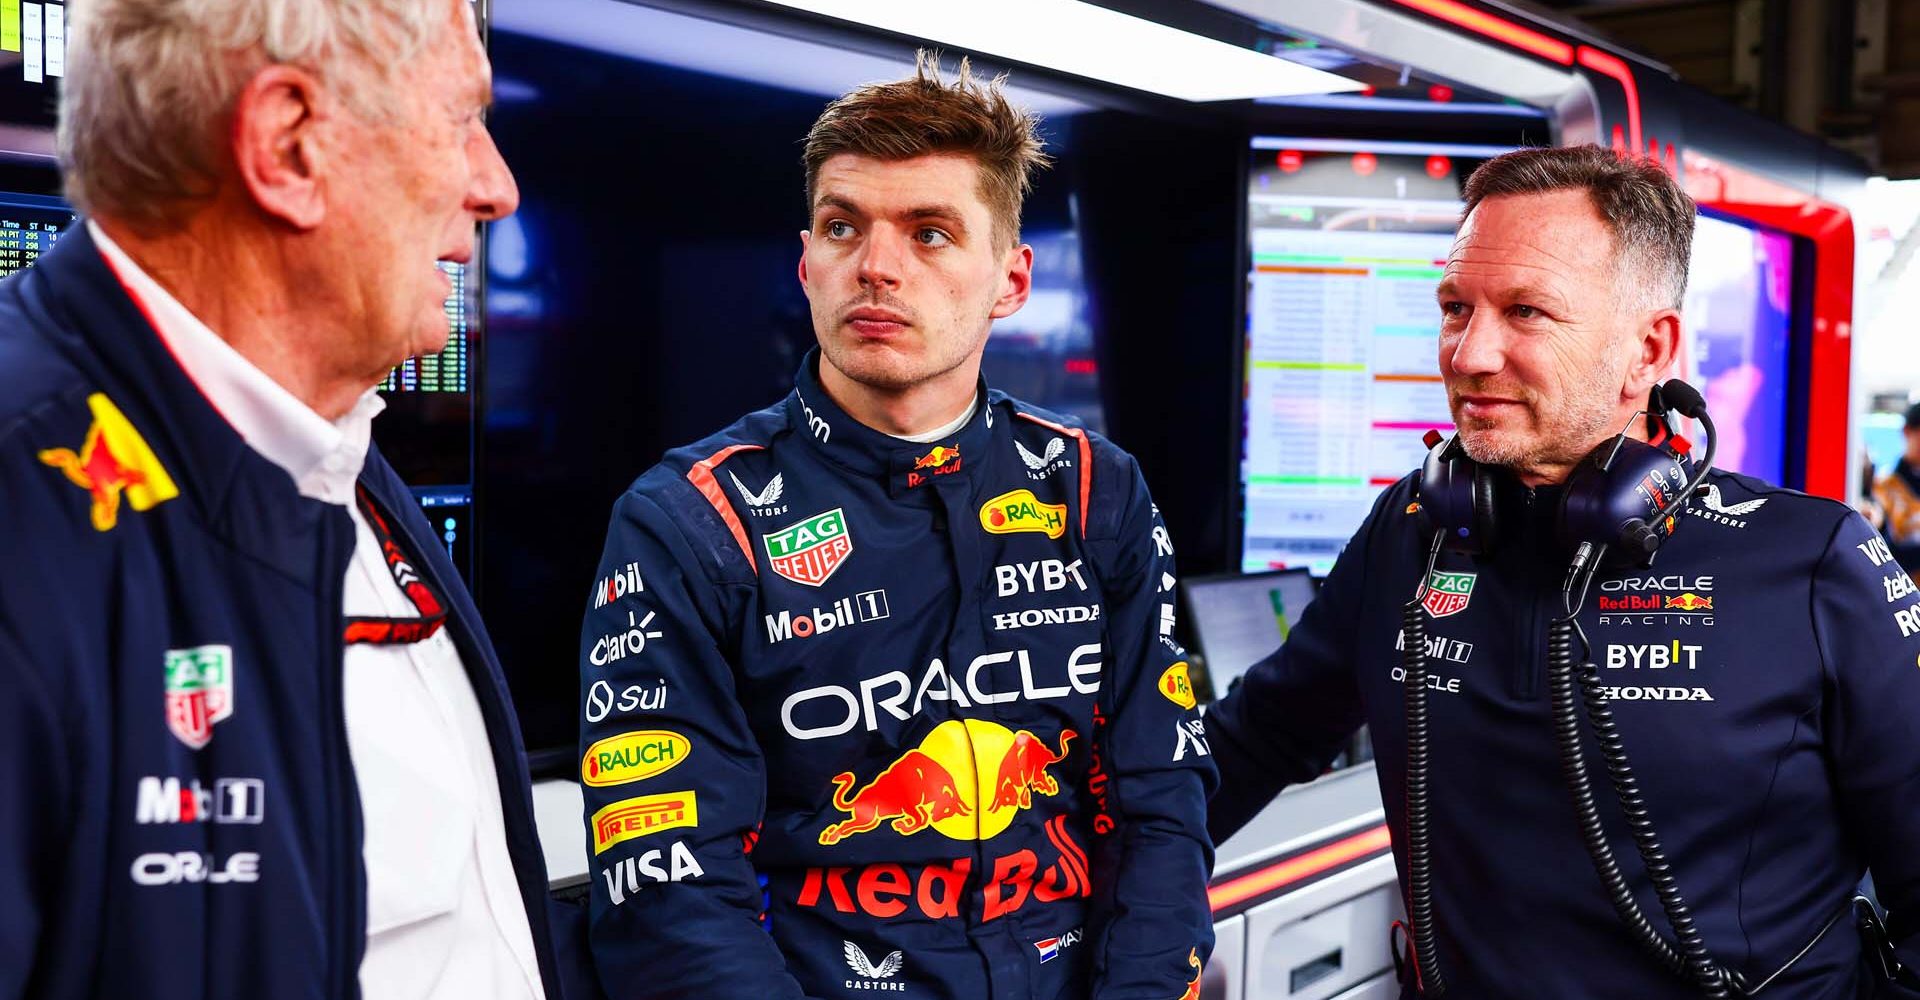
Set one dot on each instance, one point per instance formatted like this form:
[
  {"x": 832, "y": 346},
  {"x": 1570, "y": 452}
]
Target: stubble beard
[{"x": 1568, "y": 428}]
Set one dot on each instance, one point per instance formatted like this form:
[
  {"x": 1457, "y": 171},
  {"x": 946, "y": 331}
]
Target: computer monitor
[
  {"x": 1239, "y": 618},
  {"x": 1738, "y": 323},
  {"x": 29, "y": 225},
  {"x": 1340, "y": 374}
]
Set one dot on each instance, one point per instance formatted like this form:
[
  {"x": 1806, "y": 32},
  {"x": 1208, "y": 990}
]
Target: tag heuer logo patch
[
  {"x": 199, "y": 691},
  {"x": 1447, "y": 593},
  {"x": 810, "y": 551}
]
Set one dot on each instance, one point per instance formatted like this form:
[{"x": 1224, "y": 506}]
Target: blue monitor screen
[
  {"x": 1346, "y": 241},
  {"x": 1738, "y": 333}
]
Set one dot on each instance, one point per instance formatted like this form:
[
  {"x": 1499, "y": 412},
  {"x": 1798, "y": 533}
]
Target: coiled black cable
[
  {"x": 1689, "y": 958},
  {"x": 1413, "y": 659}
]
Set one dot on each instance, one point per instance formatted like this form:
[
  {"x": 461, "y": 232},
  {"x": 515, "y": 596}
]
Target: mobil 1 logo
[{"x": 866, "y": 606}]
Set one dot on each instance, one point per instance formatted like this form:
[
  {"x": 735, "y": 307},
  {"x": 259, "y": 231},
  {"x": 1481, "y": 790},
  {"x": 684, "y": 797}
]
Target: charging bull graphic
[
  {"x": 943, "y": 460},
  {"x": 113, "y": 462},
  {"x": 914, "y": 791},
  {"x": 943, "y": 784},
  {"x": 1024, "y": 769},
  {"x": 1193, "y": 985}
]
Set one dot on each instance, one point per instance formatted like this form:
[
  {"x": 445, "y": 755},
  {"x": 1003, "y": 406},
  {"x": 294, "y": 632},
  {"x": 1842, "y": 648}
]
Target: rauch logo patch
[{"x": 1020, "y": 510}]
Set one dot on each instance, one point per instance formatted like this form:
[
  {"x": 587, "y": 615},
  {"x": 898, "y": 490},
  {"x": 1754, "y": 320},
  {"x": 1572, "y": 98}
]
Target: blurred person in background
[{"x": 1898, "y": 496}]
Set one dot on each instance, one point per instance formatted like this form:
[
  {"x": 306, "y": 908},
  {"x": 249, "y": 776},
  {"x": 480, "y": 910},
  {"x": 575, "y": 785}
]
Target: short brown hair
[
  {"x": 924, "y": 114},
  {"x": 1650, "y": 217}
]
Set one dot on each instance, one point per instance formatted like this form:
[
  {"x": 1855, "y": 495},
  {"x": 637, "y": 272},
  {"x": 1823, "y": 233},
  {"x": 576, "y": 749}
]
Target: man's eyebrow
[
  {"x": 835, "y": 201},
  {"x": 949, "y": 215},
  {"x": 1531, "y": 291}
]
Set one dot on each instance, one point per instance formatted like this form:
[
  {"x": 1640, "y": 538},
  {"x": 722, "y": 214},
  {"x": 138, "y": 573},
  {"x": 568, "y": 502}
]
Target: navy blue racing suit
[
  {"x": 865, "y": 715},
  {"x": 1765, "y": 675}
]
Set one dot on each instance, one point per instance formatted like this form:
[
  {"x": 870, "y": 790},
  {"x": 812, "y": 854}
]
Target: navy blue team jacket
[
  {"x": 863, "y": 716},
  {"x": 1765, "y": 675},
  {"x": 181, "y": 816}
]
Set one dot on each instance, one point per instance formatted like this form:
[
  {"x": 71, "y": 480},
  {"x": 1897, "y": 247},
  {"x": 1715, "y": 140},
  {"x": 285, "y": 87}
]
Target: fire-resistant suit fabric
[{"x": 865, "y": 715}]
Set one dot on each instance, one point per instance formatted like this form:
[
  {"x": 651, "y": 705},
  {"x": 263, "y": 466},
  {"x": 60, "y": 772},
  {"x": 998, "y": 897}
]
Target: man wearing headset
[{"x": 1763, "y": 672}]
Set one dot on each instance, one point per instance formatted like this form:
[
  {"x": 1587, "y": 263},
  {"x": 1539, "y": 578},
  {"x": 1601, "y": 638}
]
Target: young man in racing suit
[
  {"x": 877, "y": 684},
  {"x": 1762, "y": 671}
]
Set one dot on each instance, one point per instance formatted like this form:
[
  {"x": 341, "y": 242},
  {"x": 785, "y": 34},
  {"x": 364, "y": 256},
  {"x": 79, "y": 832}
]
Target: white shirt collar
[
  {"x": 946, "y": 429},
  {"x": 323, "y": 457}
]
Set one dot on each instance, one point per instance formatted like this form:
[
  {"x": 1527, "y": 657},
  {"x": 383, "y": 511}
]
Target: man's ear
[
  {"x": 1018, "y": 284},
  {"x": 1657, "y": 346},
  {"x": 806, "y": 243},
  {"x": 276, "y": 145}
]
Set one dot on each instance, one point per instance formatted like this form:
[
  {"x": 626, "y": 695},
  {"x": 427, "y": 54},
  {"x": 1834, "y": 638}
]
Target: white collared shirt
[{"x": 445, "y": 918}]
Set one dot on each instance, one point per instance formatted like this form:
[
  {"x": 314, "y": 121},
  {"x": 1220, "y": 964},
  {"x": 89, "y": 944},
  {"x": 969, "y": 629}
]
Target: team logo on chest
[
  {"x": 765, "y": 503},
  {"x": 1448, "y": 593},
  {"x": 1050, "y": 460},
  {"x": 114, "y": 463},
  {"x": 809, "y": 552},
  {"x": 199, "y": 691}
]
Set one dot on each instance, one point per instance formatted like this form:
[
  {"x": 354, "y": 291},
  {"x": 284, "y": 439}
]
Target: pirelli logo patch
[{"x": 641, "y": 815}]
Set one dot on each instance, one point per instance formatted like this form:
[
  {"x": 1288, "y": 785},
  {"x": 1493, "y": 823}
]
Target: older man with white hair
[{"x": 254, "y": 741}]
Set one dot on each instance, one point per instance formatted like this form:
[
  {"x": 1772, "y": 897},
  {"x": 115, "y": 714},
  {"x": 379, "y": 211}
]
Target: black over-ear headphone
[{"x": 1625, "y": 494}]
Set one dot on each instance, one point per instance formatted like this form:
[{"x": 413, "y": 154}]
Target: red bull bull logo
[
  {"x": 114, "y": 463},
  {"x": 943, "y": 460},
  {"x": 810, "y": 551},
  {"x": 1690, "y": 601},
  {"x": 1023, "y": 770},
  {"x": 914, "y": 792},
  {"x": 942, "y": 784}
]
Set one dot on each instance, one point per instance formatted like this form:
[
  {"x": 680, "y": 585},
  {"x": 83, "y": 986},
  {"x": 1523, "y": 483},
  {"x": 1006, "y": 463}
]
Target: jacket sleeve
[
  {"x": 673, "y": 780},
  {"x": 1290, "y": 714},
  {"x": 1866, "y": 618},
  {"x": 1151, "y": 923}
]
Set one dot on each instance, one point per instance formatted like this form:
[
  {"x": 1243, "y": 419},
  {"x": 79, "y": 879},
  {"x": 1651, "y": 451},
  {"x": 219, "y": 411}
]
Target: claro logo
[{"x": 833, "y": 710}]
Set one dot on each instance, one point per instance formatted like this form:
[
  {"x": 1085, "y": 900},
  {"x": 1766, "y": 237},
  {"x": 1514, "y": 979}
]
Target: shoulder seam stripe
[
  {"x": 701, "y": 476},
  {"x": 1086, "y": 461}
]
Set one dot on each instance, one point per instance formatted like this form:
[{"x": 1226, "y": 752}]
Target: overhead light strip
[
  {"x": 1522, "y": 38},
  {"x": 1084, "y": 40}
]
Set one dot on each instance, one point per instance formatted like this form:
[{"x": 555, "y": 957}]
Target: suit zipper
[{"x": 1526, "y": 679}]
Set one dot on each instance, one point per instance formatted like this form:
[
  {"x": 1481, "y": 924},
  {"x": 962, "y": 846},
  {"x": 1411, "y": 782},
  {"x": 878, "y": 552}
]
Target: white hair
[{"x": 150, "y": 84}]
